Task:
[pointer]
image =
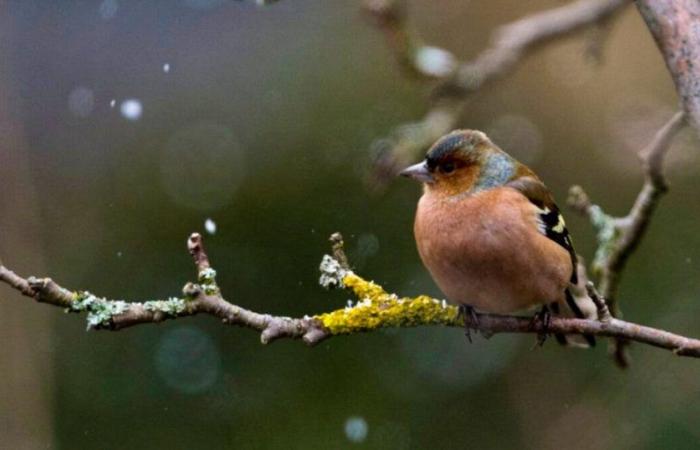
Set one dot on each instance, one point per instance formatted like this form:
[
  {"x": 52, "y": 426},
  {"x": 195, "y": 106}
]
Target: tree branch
[
  {"x": 674, "y": 25},
  {"x": 510, "y": 44},
  {"x": 374, "y": 309},
  {"x": 413, "y": 55},
  {"x": 618, "y": 237}
]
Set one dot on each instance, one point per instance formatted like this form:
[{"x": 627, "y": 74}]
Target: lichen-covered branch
[
  {"x": 618, "y": 237},
  {"x": 203, "y": 296},
  {"x": 375, "y": 308},
  {"x": 674, "y": 25},
  {"x": 510, "y": 44}
]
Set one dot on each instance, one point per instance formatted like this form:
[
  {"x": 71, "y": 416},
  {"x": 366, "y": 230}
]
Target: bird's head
[{"x": 462, "y": 161}]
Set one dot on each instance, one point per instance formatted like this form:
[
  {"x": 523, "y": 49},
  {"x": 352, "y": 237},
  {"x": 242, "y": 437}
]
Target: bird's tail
[{"x": 579, "y": 306}]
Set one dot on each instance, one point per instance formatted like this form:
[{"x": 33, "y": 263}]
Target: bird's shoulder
[{"x": 549, "y": 219}]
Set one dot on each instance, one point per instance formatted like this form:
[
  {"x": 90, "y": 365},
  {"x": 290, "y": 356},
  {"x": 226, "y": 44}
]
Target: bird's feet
[
  {"x": 471, "y": 320},
  {"x": 543, "y": 318}
]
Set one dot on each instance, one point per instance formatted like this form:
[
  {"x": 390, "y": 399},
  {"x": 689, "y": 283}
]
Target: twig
[
  {"x": 201, "y": 297},
  {"x": 512, "y": 41},
  {"x": 337, "y": 249},
  {"x": 413, "y": 55},
  {"x": 618, "y": 237},
  {"x": 601, "y": 307},
  {"x": 674, "y": 25},
  {"x": 509, "y": 45},
  {"x": 375, "y": 309}
]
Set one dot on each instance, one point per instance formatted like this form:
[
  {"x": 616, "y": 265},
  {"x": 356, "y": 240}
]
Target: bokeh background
[{"x": 126, "y": 125}]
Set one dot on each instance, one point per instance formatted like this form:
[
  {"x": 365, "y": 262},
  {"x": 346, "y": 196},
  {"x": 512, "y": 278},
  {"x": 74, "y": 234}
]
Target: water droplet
[
  {"x": 210, "y": 226},
  {"x": 356, "y": 429},
  {"x": 112, "y": 103},
  {"x": 119, "y": 254},
  {"x": 166, "y": 67},
  {"x": 131, "y": 109}
]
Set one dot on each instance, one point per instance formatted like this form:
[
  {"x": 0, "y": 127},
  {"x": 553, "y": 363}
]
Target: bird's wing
[
  {"x": 550, "y": 221},
  {"x": 553, "y": 226}
]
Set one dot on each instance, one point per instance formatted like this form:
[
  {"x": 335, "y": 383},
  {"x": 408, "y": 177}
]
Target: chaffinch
[{"x": 489, "y": 232}]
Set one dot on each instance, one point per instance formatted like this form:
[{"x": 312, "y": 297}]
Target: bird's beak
[{"x": 418, "y": 172}]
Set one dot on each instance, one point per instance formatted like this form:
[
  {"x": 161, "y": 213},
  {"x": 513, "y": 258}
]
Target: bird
[{"x": 491, "y": 235}]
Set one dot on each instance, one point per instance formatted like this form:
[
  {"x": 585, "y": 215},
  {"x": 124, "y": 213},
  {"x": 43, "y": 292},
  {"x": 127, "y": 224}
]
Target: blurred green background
[{"x": 125, "y": 125}]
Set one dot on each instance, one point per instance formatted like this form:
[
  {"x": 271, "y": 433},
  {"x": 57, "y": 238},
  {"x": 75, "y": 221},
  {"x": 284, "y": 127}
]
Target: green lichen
[
  {"x": 207, "y": 280},
  {"x": 207, "y": 276},
  {"x": 377, "y": 309},
  {"x": 172, "y": 306},
  {"x": 99, "y": 310},
  {"x": 608, "y": 235}
]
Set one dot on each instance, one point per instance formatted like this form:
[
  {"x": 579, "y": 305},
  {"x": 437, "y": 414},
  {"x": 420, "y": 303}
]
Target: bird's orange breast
[{"x": 484, "y": 250}]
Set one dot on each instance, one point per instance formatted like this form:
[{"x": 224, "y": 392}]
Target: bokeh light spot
[
  {"x": 81, "y": 101},
  {"x": 435, "y": 61},
  {"x": 131, "y": 109},
  {"x": 202, "y": 166},
  {"x": 366, "y": 247},
  {"x": 356, "y": 429},
  {"x": 202, "y": 4},
  {"x": 210, "y": 226},
  {"x": 108, "y": 9},
  {"x": 518, "y": 136},
  {"x": 187, "y": 360}
]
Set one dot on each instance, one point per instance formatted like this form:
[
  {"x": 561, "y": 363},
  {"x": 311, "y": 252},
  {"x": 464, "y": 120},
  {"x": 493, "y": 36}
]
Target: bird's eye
[{"x": 447, "y": 167}]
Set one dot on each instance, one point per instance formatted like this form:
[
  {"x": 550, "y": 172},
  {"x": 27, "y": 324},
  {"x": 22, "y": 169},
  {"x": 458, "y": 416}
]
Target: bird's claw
[
  {"x": 544, "y": 317},
  {"x": 471, "y": 320}
]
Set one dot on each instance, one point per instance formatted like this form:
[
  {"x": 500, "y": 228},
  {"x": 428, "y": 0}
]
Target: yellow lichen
[
  {"x": 364, "y": 289},
  {"x": 376, "y": 309}
]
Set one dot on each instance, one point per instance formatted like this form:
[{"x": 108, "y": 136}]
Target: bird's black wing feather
[{"x": 550, "y": 218}]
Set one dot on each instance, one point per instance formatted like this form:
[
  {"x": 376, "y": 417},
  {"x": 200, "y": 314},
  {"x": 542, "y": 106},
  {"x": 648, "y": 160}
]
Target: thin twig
[
  {"x": 601, "y": 307},
  {"x": 413, "y": 55},
  {"x": 621, "y": 235},
  {"x": 618, "y": 237}
]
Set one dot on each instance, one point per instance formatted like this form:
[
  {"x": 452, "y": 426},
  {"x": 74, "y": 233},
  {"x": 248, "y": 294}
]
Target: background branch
[
  {"x": 618, "y": 237},
  {"x": 674, "y": 25},
  {"x": 510, "y": 44}
]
